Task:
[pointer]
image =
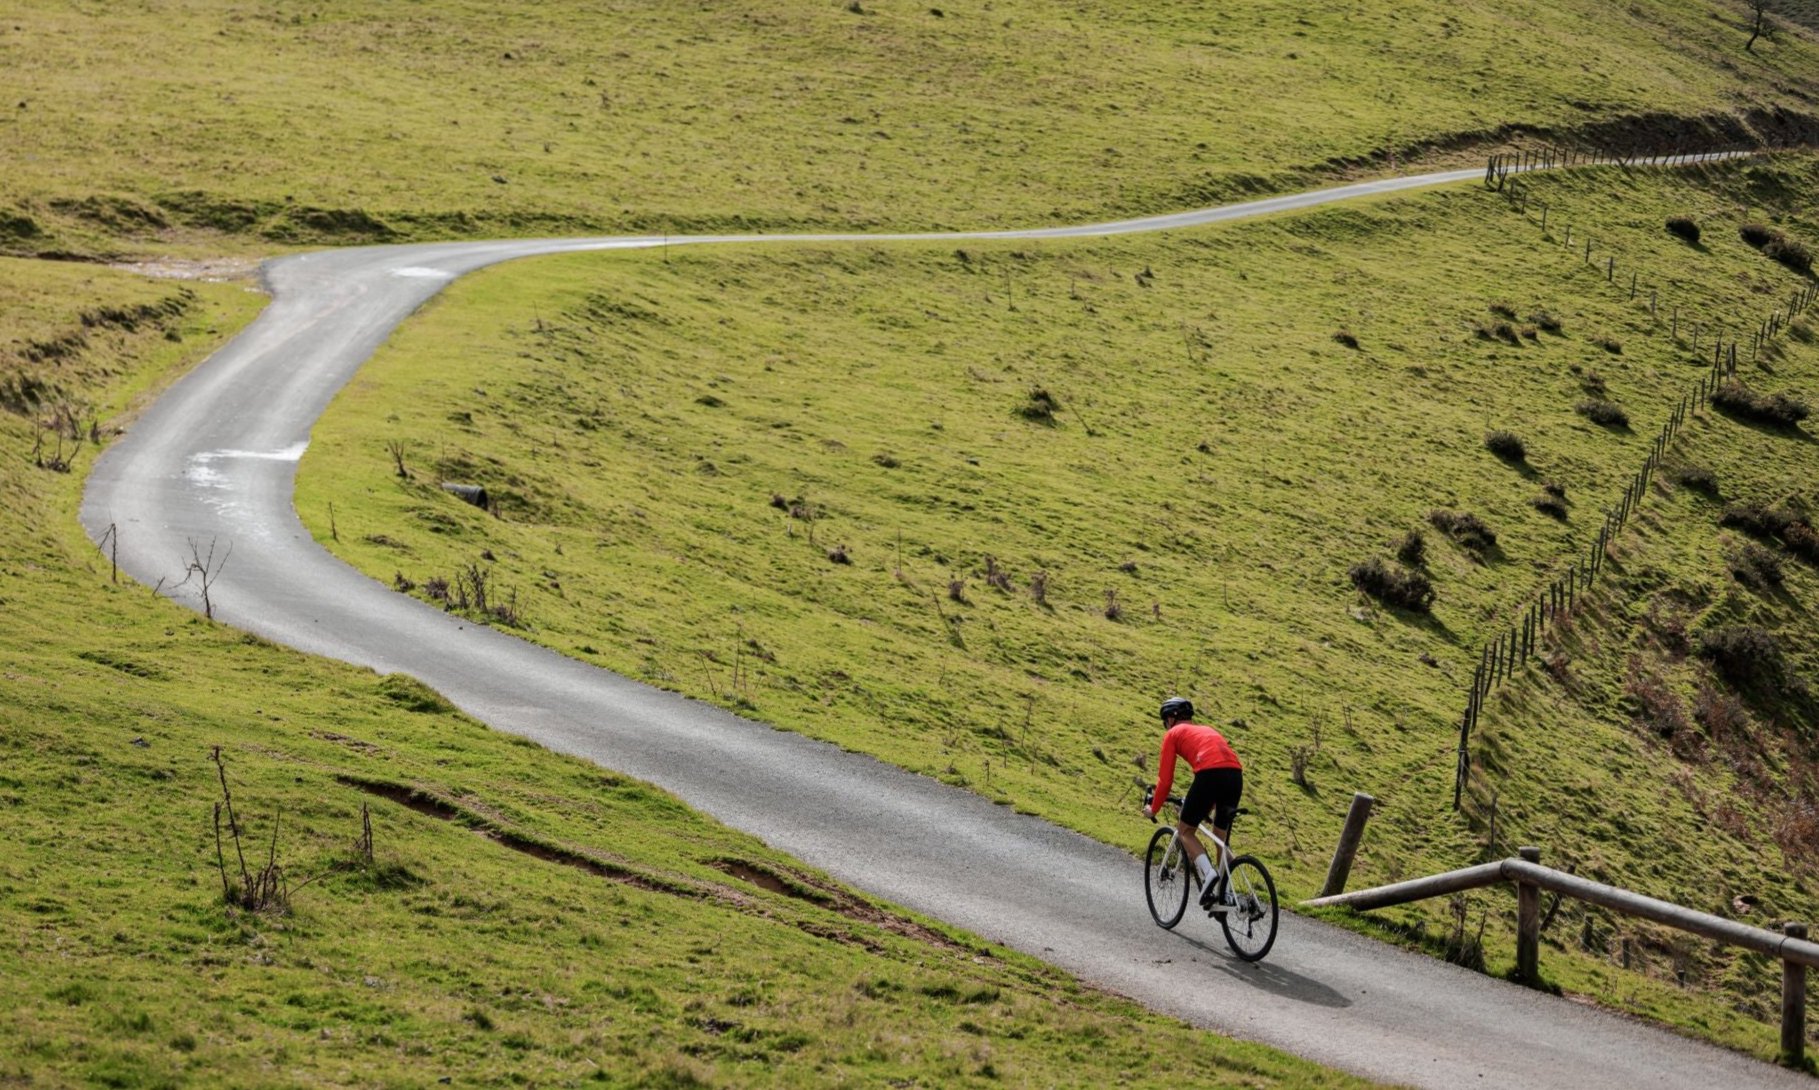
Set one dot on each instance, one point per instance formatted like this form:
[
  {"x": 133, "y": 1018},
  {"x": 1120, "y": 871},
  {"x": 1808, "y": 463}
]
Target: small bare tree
[
  {"x": 1760, "y": 26},
  {"x": 204, "y": 570},
  {"x": 395, "y": 447}
]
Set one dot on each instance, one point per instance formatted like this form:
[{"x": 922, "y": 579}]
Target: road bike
[{"x": 1249, "y": 920}]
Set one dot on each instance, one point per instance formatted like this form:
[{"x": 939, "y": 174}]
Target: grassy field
[
  {"x": 974, "y": 510},
  {"x": 521, "y": 918},
  {"x": 203, "y": 126},
  {"x": 971, "y": 510}
]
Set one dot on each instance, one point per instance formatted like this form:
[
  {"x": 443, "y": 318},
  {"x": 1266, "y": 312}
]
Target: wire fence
[{"x": 1511, "y": 651}]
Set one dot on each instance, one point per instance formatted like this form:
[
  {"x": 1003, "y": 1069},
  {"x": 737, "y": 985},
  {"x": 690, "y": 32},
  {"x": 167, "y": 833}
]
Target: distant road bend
[{"x": 215, "y": 458}]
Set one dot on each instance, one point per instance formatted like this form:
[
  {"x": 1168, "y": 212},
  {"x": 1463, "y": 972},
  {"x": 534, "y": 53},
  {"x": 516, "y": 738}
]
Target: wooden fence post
[
  {"x": 1528, "y": 924},
  {"x": 1793, "y": 1004},
  {"x": 1349, "y": 838}
]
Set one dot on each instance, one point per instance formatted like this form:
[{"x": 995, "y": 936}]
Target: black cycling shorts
[{"x": 1215, "y": 791}]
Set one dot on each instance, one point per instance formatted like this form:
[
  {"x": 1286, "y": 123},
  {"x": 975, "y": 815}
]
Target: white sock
[{"x": 1205, "y": 867}]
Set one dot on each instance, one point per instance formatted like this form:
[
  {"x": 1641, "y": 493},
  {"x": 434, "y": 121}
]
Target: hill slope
[
  {"x": 972, "y": 511},
  {"x": 510, "y": 915}
]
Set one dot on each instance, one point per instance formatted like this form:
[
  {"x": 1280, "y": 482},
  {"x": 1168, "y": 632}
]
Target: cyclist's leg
[
  {"x": 1227, "y": 785},
  {"x": 1195, "y": 807}
]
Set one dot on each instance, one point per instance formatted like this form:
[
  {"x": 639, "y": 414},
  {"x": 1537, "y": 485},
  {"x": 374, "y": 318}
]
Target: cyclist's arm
[{"x": 1165, "y": 773}]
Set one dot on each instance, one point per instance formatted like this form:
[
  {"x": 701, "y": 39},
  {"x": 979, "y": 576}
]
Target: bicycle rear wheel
[
  {"x": 1250, "y": 924},
  {"x": 1165, "y": 878}
]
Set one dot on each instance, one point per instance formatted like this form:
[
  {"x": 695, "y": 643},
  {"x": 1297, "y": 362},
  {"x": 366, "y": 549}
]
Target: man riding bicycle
[{"x": 1218, "y": 784}]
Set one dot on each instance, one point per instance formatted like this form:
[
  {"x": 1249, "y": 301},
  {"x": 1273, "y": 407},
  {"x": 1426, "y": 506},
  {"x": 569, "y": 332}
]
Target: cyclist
[{"x": 1218, "y": 784}]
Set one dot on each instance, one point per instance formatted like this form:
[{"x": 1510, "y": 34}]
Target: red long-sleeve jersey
[{"x": 1201, "y": 747}]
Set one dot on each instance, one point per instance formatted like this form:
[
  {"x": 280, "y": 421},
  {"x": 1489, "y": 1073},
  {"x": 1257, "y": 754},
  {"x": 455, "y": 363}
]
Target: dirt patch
[{"x": 215, "y": 270}]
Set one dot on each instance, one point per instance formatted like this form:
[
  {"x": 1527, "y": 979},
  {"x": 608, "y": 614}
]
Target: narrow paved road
[{"x": 215, "y": 460}]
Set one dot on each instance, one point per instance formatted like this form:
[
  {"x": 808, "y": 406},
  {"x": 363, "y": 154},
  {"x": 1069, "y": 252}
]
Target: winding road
[{"x": 215, "y": 459}]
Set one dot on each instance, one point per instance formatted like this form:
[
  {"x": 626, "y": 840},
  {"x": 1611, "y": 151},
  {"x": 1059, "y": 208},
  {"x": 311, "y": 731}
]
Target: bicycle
[{"x": 1168, "y": 877}]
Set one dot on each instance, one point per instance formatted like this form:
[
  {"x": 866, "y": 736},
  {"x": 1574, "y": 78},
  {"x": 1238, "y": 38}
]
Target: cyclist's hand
[{"x": 1148, "y": 813}]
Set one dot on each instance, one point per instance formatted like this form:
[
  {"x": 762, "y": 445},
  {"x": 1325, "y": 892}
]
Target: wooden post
[
  {"x": 1349, "y": 838},
  {"x": 1569, "y": 235},
  {"x": 1793, "y": 1003},
  {"x": 1528, "y": 924},
  {"x": 1610, "y": 269},
  {"x": 1588, "y": 251},
  {"x": 1632, "y": 285},
  {"x": 1676, "y": 321}
]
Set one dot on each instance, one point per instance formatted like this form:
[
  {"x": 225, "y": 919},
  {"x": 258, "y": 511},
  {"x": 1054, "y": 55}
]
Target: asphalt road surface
[{"x": 214, "y": 461}]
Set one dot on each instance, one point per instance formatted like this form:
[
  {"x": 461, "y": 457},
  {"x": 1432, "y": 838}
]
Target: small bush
[
  {"x": 1039, "y": 587},
  {"x": 1346, "y": 338},
  {"x": 1778, "y": 247},
  {"x": 1467, "y": 531},
  {"x": 839, "y": 555},
  {"x": 1549, "y": 504},
  {"x": 956, "y": 590},
  {"x": 1554, "y": 489},
  {"x": 1041, "y": 406},
  {"x": 1500, "y": 331},
  {"x": 1747, "y": 657},
  {"x": 1722, "y": 715},
  {"x": 1609, "y": 344},
  {"x": 1604, "y": 413},
  {"x": 885, "y": 460},
  {"x": 1546, "y": 321},
  {"x": 1113, "y": 611},
  {"x": 1503, "y": 310},
  {"x": 1755, "y": 567},
  {"x": 1756, "y": 520},
  {"x": 1790, "y": 253},
  {"x": 1656, "y": 706},
  {"x": 1411, "y": 549},
  {"x": 1393, "y": 586},
  {"x": 1506, "y": 445},
  {"x": 1684, "y": 228},
  {"x": 1776, "y": 410},
  {"x": 1698, "y": 478},
  {"x": 1593, "y": 383}
]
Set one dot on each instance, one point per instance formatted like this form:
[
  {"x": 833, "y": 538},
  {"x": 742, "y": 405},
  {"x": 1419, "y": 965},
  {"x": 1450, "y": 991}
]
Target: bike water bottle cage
[{"x": 1176, "y": 708}]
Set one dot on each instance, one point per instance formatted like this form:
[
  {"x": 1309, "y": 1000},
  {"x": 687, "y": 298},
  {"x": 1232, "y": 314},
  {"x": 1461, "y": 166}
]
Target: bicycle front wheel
[
  {"x": 1250, "y": 924},
  {"x": 1165, "y": 878}
]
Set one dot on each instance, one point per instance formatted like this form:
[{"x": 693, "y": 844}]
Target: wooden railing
[{"x": 1790, "y": 944}]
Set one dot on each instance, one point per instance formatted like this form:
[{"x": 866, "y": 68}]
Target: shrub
[
  {"x": 1776, "y": 410},
  {"x": 1790, "y": 253},
  {"x": 1656, "y": 705},
  {"x": 1683, "y": 227},
  {"x": 1503, "y": 310},
  {"x": 1546, "y": 321},
  {"x": 1756, "y": 520},
  {"x": 1041, "y": 406},
  {"x": 1393, "y": 586},
  {"x": 1506, "y": 445},
  {"x": 1039, "y": 587},
  {"x": 1756, "y": 234},
  {"x": 1467, "y": 531},
  {"x": 1554, "y": 489},
  {"x": 1609, "y": 344},
  {"x": 1698, "y": 478},
  {"x": 1602, "y": 412},
  {"x": 1778, "y": 246},
  {"x": 839, "y": 555},
  {"x": 1549, "y": 504},
  {"x": 1501, "y": 331},
  {"x": 1747, "y": 657},
  {"x": 1346, "y": 338},
  {"x": 1411, "y": 549},
  {"x": 1593, "y": 383},
  {"x": 1755, "y": 567}
]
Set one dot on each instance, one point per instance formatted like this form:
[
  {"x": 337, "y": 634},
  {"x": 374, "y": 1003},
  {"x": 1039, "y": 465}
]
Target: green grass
[
  {"x": 159, "y": 125},
  {"x": 677, "y": 443},
  {"x": 524, "y": 918}
]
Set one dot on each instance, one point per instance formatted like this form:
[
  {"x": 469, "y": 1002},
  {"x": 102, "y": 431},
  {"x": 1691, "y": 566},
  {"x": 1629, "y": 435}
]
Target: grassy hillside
[
  {"x": 158, "y": 125},
  {"x": 518, "y": 918},
  {"x": 974, "y": 510}
]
